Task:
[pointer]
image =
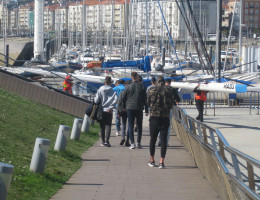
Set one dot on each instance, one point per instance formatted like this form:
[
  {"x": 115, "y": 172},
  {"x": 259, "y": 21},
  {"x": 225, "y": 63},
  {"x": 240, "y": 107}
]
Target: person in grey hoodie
[{"x": 108, "y": 99}]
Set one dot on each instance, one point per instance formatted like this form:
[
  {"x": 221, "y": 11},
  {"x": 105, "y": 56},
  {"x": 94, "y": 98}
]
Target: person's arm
[
  {"x": 97, "y": 97},
  {"x": 145, "y": 103},
  {"x": 196, "y": 89}
]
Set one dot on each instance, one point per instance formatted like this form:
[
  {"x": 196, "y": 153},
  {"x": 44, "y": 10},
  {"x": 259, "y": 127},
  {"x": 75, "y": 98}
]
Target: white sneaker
[
  {"x": 132, "y": 146},
  {"x": 118, "y": 133}
]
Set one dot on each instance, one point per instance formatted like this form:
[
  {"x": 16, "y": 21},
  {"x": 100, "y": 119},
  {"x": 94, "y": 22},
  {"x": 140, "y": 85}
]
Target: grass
[{"x": 21, "y": 122}]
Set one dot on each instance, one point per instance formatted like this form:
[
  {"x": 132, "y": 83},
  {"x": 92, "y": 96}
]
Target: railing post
[
  {"x": 213, "y": 140},
  {"x": 236, "y": 166},
  {"x": 86, "y": 124},
  {"x": 75, "y": 133},
  {"x": 6, "y": 172},
  {"x": 39, "y": 156},
  {"x": 7, "y": 56},
  {"x": 205, "y": 135},
  {"x": 251, "y": 179},
  {"x": 62, "y": 137}
]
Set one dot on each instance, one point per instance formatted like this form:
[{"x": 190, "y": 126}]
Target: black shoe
[
  {"x": 122, "y": 142},
  {"x": 127, "y": 144},
  {"x": 197, "y": 118},
  {"x": 108, "y": 144}
]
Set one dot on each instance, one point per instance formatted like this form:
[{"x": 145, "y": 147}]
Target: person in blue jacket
[{"x": 118, "y": 89}]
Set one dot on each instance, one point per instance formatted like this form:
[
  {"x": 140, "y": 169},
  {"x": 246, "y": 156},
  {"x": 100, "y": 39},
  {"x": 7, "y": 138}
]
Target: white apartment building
[
  {"x": 23, "y": 17},
  {"x": 61, "y": 18}
]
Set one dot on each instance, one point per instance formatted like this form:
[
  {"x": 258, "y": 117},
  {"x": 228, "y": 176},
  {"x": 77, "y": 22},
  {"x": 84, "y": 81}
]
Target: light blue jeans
[{"x": 117, "y": 121}]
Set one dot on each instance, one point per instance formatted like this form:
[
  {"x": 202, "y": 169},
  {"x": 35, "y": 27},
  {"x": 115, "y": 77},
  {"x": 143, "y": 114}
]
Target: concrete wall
[{"x": 34, "y": 91}]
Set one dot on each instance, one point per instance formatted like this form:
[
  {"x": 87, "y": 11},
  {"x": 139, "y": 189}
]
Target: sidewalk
[{"x": 118, "y": 173}]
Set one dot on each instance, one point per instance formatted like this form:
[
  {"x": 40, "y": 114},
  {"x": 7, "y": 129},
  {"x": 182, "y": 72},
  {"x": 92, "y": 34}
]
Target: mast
[
  {"x": 240, "y": 33},
  {"x": 218, "y": 38},
  {"x": 38, "y": 30},
  {"x": 146, "y": 26},
  {"x": 83, "y": 25}
]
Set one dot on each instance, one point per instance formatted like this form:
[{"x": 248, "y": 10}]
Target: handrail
[{"x": 232, "y": 161}]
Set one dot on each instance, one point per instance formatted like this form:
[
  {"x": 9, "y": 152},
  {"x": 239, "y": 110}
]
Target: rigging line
[
  {"x": 169, "y": 34},
  {"x": 185, "y": 18},
  {"x": 230, "y": 31},
  {"x": 200, "y": 38}
]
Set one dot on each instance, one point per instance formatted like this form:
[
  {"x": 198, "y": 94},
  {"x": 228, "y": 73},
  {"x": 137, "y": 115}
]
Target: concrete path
[{"x": 121, "y": 174}]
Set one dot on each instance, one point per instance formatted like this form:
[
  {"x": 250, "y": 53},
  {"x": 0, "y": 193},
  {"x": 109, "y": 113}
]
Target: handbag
[{"x": 89, "y": 109}]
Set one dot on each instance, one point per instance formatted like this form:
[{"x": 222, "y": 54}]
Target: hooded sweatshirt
[{"x": 107, "y": 97}]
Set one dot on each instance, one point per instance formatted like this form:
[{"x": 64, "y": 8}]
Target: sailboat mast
[
  {"x": 240, "y": 32},
  {"x": 218, "y": 38},
  {"x": 146, "y": 27}
]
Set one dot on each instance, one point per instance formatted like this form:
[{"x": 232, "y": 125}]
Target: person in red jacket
[
  {"x": 67, "y": 84},
  {"x": 200, "y": 98}
]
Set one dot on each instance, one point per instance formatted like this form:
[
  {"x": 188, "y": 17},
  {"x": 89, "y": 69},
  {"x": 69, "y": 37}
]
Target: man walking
[
  {"x": 160, "y": 100},
  {"x": 200, "y": 98},
  {"x": 133, "y": 100},
  {"x": 107, "y": 98},
  {"x": 118, "y": 89}
]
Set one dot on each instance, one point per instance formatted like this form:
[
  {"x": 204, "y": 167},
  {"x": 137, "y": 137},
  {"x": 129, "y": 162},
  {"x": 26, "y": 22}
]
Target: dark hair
[
  {"x": 153, "y": 80},
  {"x": 117, "y": 82},
  {"x": 140, "y": 78},
  {"x": 108, "y": 80},
  {"x": 160, "y": 80},
  {"x": 134, "y": 75},
  {"x": 121, "y": 81},
  {"x": 168, "y": 80}
]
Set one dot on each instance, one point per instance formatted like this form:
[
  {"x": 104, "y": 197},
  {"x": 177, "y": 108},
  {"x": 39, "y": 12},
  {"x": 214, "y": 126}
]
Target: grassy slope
[{"x": 21, "y": 122}]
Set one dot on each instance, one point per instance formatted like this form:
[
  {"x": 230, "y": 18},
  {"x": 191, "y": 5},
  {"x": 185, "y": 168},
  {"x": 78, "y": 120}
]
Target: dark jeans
[
  {"x": 105, "y": 126},
  {"x": 200, "y": 108},
  {"x": 131, "y": 115},
  {"x": 158, "y": 124},
  {"x": 124, "y": 120}
]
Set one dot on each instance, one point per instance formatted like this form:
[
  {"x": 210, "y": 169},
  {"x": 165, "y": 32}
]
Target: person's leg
[
  {"x": 117, "y": 123},
  {"x": 200, "y": 109},
  {"x": 124, "y": 118},
  {"x": 102, "y": 128},
  {"x": 108, "y": 122},
  {"x": 153, "y": 125},
  {"x": 131, "y": 118},
  {"x": 139, "y": 122},
  {"x": 164, "y": 125}
]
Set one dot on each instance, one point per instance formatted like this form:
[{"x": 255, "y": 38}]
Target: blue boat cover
[{"x": 143, "y": 64}]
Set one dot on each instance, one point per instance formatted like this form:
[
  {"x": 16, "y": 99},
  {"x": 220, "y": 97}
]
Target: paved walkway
[{"x": 118, "y": 173}]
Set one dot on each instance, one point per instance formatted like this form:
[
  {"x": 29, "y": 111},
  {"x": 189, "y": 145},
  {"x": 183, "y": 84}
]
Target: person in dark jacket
[
  {"x": 200, "y": 98},
  {"x": 176, "y": 99},
  {"x": 160, "y": 101},
  {"x": 134, "y": 100}
]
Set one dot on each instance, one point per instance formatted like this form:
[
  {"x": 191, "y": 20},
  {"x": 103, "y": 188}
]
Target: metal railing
[{"x": 233, "y": 174}]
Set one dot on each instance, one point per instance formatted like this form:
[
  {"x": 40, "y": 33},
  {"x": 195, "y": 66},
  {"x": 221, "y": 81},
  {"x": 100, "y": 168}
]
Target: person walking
[
  {"x": 134, "y": 100},
  {"x": 200, "y": 98},
  {"x": 107, "y": 98},
  {"x": 160, "y": 101},
  {"x": 118, "y": 89},
  {"x": 67, "y": 84},
  {"x": 153, "y": 82}
]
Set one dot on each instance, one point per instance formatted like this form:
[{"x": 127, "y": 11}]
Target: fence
[
  {"x": 250, "y": 100},
  {"x": 233, "y": 174}
]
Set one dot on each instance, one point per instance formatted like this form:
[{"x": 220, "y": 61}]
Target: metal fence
[
  {"x": 233, "y": 174},
  {"x": 216, "y": 100}
]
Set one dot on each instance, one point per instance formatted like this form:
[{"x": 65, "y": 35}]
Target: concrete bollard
[
  {"x": 6, "y": 172},
  {"x": 39, "y": 156},
  {"x": 75, "y": 133},
  {"x": 62, "y": 137},
  {"x": 86, "y": 124}
]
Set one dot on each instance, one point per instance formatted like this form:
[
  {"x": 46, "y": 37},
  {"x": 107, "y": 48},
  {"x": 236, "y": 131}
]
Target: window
[
  {"x": 246, "y": 11},
  {"x": 256, "y": 12},
  {"x": 251, "y": 11},
  {"x": 246, "y": 4},
  {"x": 252, "y": 5},
  {"x": 256, "y": 4}
]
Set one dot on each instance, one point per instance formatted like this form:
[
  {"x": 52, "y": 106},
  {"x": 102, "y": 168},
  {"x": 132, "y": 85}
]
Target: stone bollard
[
  {"x": 62, "y": 137},
  {"x": 39, "y": 156},
  {"x": 75, "y": 133},
  {"x": 6, "y": 172},
  {"x": 86, "y": 124}
]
